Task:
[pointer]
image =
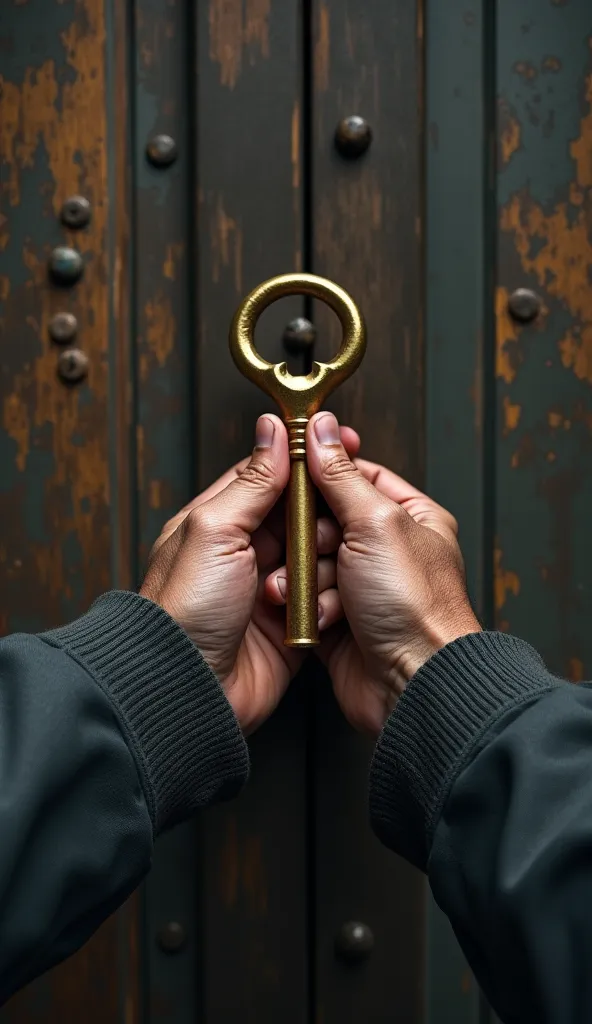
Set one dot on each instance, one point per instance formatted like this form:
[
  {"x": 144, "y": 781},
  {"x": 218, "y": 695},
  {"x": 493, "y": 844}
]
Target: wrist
[{"x": 434, "y": 635}]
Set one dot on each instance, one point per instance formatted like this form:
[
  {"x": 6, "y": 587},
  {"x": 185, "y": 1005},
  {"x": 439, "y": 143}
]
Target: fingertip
[
  {"x": 350, "y": 440},
  {"x": 270, "y": 452},
  {"x": 325, "y": 428},
  {"x": 278, "y": 423},
  {"x": 275, "y": 587},
  {"x": 330, "y": 608},
  {"x": 269, "y": 430}
]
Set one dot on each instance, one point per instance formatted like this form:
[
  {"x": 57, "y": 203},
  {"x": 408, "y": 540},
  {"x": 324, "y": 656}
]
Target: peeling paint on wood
[
  {"x": 575, "y": 670},
  {"x": 506, "y": 581},
  {"x": 235, "y": 26},
  {"x": 511, "y": 414},
  {"x": 510, "y": 133},
  {"x": 544, "y": 465},
  {"x": 322, "y": 48},
  {"x": 227, "y": 245},
  {"x": 367, "y": 235},
  {"x": 507, "y": 356},
  {"x": 58, "y": 470},
  {"x": 250, "y": 212},
  {"x": 56, "y": 114}
]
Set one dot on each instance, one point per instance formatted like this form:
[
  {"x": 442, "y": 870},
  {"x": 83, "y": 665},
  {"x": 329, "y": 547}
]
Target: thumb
[
  {"x": 247, "y": 500},
  {"x": 348, "y": 494}
]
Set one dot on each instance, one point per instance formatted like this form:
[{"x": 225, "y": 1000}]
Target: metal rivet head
[
  {"x": 353, "y": 136},
  {"x": 161, "y": 150},
  {"x": 354, "y": 942},
  {"x": 63, "y": 328},
  {"x": 172, "y": 937},
  {"x": 299, "y": 334},
  {"x": 524, "y": 305},
  {"x": 76, "y": 212},
  {"x": 73, "y": 366},
  {"x": 65, "y": 265}
]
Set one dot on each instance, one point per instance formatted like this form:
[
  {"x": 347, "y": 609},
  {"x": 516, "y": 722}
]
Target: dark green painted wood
[
  {"x": 543, "y": 452},
  {"x": 163, "y": 248},
  {"x": 263, "y": 885},
  {"x": 249, "y": 179},
  {"x": 459, "y": 359},
  {"x": 65, "y": 487},
  {"x": 367, "y": 235}
]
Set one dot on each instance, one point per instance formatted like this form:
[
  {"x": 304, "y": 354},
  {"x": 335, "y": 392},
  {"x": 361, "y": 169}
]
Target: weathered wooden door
[{"x": 201, "y": 139}]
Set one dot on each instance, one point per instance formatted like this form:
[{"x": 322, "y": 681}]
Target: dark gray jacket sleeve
[
  {"x": 112, "y": 729},
  {"x": 483, "y": 778}
]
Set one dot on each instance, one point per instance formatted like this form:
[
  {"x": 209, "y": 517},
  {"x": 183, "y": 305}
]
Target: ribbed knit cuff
[
  {"x": 184, "y": 736},
  {"x": 448, "y": 706}
]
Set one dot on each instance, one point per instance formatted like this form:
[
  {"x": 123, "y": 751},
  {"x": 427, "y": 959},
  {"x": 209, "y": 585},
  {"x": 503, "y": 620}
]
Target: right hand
[{"x": 399, "y": 575}]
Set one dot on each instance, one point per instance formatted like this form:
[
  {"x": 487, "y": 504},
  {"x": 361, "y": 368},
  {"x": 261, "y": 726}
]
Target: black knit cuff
[
  {"x": 447, "y": 707},
  {"x": 184, "y": 736}
]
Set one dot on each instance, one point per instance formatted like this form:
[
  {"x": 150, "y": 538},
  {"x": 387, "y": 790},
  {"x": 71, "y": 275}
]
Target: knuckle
[
  {"x": 419, "y": 507},
  {"x": 389, "y": 516},
  {"x": 170, "y": 526},
  {"x": 199, "y": 520},
  {"x": 338, "y": 465},
  {"x": 452, "y": 523},
  {"x": 259, "y": 473}
]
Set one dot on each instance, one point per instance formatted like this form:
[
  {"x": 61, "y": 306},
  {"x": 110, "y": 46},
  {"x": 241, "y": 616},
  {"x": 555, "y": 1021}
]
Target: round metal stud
[
  {"x": 354, "y": 942},
  {"x": 299, "y": 334},
  {"x": 63, "y": 328},
  {"x": 65, "y": 265},
  {"x": 161, "y": 150},
  {"x": 353, "y": 136},
  {"x": 524, "y": 305},
  {"x": 76, "y": 212},
  {"x": 72, "y": 366},
  {"x": 172, "y": 937}
]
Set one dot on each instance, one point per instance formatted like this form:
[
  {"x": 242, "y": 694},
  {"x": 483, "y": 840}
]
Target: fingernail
[
  {"x": 264, "y": 432},
  {"x": 281, "y": 585},
  {"x": 327, "y": 429}
]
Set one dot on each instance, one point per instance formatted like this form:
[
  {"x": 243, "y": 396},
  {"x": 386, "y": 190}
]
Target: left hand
[{"x": 208, "y": 570}]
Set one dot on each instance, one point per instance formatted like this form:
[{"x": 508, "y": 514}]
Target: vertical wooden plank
[
  {"x": 543, "y": 555},
  {"x": 163, "y": 265},
  {"x": 459, "y": 316},
  {"x": 164, "y": 331},
  {"x": 64, "y": 497},
  {"x": 543, "y": 460},
  {"x": 249, "y": 169},
  {"x": 367, "y": 235}
]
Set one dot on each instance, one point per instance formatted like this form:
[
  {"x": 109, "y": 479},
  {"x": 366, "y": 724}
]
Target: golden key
[{"x": 299, "y": 397}]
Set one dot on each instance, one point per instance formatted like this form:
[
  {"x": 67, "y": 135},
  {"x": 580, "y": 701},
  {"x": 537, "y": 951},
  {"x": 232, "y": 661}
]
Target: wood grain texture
[
  {"x": 254, "y": 895},
  {"x": 543, "y": 555},
  {"x": 163, "y": 239},
  {"x": 56, "y": 485},
  {"x": 367, "y": 236},
  {"x": 64, "y": 499},
  {"x": 459, "y": 367}
]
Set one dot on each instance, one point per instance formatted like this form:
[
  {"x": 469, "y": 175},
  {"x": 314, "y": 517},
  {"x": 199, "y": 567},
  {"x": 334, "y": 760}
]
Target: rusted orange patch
[
  {"x": 505, "y": 581},
  {"x": 575, "y": 670},
  {"x": 511, "y": 415},
  {"x": 230, "y": 33},
  {"x": 506, "y": 334}
]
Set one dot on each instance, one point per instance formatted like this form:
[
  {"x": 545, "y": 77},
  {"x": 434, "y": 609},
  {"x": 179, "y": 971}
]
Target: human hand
[
  {"x": 399, "y": 573},
  {"x": 208, "y": 570}
]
